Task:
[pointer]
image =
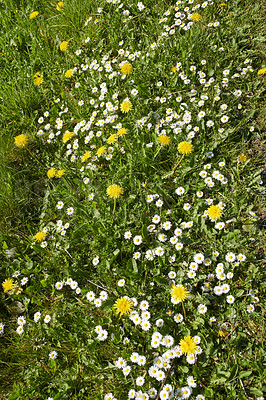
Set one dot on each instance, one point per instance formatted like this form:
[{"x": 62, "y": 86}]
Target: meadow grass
[{"x": 132, "y": 214}]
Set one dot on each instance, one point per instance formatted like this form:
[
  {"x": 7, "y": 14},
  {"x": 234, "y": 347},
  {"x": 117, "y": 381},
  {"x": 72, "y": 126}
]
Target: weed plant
[{"x": 132, "y": 252}]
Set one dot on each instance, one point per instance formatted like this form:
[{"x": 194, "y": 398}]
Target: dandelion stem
[
  {"x": 157, "y": 152},
  {"x": 185, "y": 315},
  {"x": 32, "y": 155},
  {"x": 45, "y": 98},
  {"x": 178, "y": 163},
  {"x": 114, "y": 205}
]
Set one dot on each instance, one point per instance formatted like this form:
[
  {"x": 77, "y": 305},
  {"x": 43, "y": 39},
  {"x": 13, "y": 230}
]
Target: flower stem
[
  {"x": 114, "y": 205},
  {"x": 45, "y": 98},
  {"x": 178, "y": 163},
  {"x": 32, "y": 154},
  {"x": 185, "y": 315},
  {"x": 157, "y": 152}
]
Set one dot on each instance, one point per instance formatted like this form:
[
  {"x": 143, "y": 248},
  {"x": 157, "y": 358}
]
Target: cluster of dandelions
[{"x": 159, "y": 369}]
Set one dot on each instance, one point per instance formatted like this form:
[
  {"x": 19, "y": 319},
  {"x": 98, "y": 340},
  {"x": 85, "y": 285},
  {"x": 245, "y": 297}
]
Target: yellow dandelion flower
[
  {"x": 101, "y": 150},
  {"x": 21, "y": 140},
  {"x": 221, "y": 333},
  {"x": 60, "y": 5},
  {"x": 214, "y": 212},
  {"x": 174, "y": 69},
  {"x": 243, "y": 158},
  {"x": 179, "y": 293},
  {"x": 34, "y": 14},
  {"x": 223, "y": 5},
  {"x": 114, "y": 191},
  {"x": 86, "y": 156},
  {"x": 164, "y": 140},
  {"x": 196, "y": 17},
  {"x": 188, "y": 345},
  {"x": 7, "y": 285},
  {"x": 262, "y": 71},
  {"x": 185, "y": 148},
  {"x": 38, "y": 79},
  {"x": 39, "y": 237},
  {"x": 67, "y": 136},
  {"x": 112, "y": 139},
  {"x": 51, "y": 173},
  {"x": 126, "y": 68},
  {"x": 63, "y": 46},
  {"x": 59, "y": 173},
  {"x": 122, "y": 132},
  {"x": 69, "y": 73},
  {"x": 126, "y": 106},
  {"x": 123, "y": 306}
]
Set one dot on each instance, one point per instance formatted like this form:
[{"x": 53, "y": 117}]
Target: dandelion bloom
[
  {"x": 51, "y": 173},
  {"x": 223, "y": 5},
  {"x": 126, "y": 68},
  {"x": 69, "y": 73},
  {"x": 34, "y": 14},
  {"x": 164, "y": 140},
  {"x": 21, "y": 140},
  {"x": 179, "y": 293},
  {"x": 262, "y": 71},
  {"x": 174, "y": 69},
  {"x": 126, "y": 106},
  {"x": 59, "y": 173},
  {"x": 86, "y": 156},
  {"x": 39, "y": 237},
  {"x": 112, "y": 139},
  {"x": 60, "y": 5},
  {"x": 114, "y": 191},
  {"x": 185, "y": 148},
  {"x": 123, "y": 306},
  {"x": 38, "y": 79},
  {"x": 7, "y": 285},
  {"x": 67, "y": 136},
  {"x": 221, "y": 333},
  {"x": 63, "y": 46},
  {"x": 122, "y": 132},
  {"x": 214, "y": 212},
  {"x": 195, "y": 17},
  {"x": 242, "y": 158},
  {"x": 101, "y": 150},
  {"x": 188, "y": 345}
]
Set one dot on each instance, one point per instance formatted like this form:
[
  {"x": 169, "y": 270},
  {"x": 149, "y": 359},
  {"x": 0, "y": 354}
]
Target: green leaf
[
  {"x": 255, "y": 391},
  {"x": 243, "y": 374},
  {"x": 43, "y": 283},
  {"x": 14, "y": 395}
]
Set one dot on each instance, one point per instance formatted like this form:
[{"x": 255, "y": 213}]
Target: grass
[{"x": 84, "y": 261}]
